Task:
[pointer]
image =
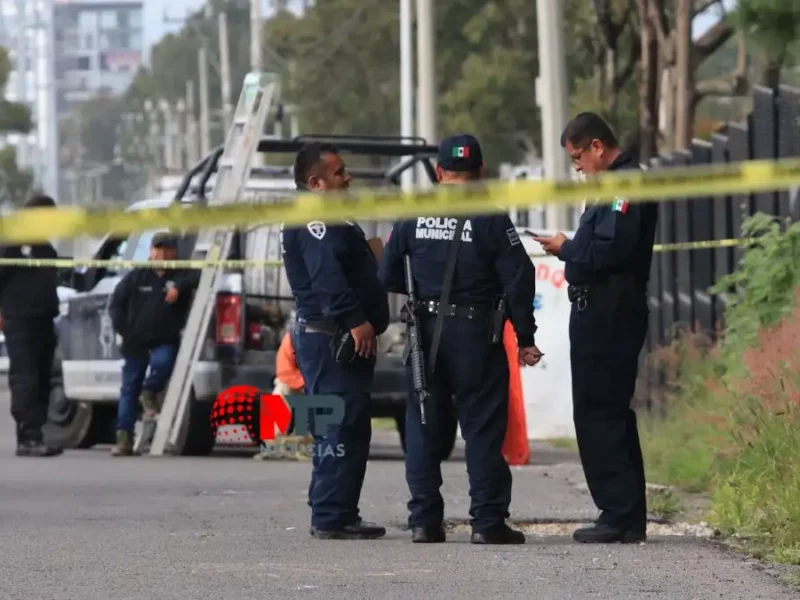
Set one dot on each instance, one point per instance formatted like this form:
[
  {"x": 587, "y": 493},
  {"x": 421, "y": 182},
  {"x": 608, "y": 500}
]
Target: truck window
[{"x": 141, "y": 245}]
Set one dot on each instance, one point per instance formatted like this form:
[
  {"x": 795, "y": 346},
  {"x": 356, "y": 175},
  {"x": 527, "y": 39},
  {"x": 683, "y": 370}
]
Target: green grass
[
  {"x": 563, "y": 443},
  {"x": 384, "y": 424},
  {"x": 664, "y": 503}
]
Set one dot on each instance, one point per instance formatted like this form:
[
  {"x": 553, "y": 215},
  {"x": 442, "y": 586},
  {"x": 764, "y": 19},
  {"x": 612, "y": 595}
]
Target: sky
[{"x": 178, "y": 9}]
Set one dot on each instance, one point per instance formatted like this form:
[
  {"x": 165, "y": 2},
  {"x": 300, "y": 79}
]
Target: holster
[
  {"x": 497, "y": 322},
  {"x": 343, "y": 346}
]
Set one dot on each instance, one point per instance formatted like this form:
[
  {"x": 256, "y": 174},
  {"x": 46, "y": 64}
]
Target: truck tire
[
  {"x": 448, "y": 440},
  {"x": 200, "y": 439},
  {"x": 82, "y": 425}
]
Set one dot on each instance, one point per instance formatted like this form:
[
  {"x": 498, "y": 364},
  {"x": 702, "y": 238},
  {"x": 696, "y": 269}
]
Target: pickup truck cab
[{"x": 252, "y": 305}]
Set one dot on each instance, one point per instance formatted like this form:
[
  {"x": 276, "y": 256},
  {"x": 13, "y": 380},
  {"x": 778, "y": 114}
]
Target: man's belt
[
  {"x": 326, "y": 327},
  {"x": 432, "y": 307}
]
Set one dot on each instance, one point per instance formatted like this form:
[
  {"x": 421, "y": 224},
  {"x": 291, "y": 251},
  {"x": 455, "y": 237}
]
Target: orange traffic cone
[{"x": 515, "y": 446}]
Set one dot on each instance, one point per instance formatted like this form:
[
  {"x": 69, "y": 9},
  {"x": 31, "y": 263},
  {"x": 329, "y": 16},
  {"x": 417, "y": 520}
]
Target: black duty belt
[
  {"x": 431, "y": 307},
  {"x": 326, "y": 327}
]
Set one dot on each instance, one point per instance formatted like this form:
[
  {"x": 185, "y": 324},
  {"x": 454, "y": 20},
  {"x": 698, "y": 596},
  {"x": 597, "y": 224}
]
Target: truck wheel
[
  {"x": 448, "y": 440},
  {"x": 72, "y": 424},
  {"x": 200, "y": 439}
]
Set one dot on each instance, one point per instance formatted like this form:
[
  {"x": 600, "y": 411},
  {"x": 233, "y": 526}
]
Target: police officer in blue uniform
[
  {"x": 607, "y": 267},
  {"x": 333, "y": 275},
  {"x": 491, "y": 262}
]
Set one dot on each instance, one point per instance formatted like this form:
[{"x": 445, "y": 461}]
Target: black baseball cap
[
  {"x": 460, "y": 153},
  {"x": 164, "y": 239}
]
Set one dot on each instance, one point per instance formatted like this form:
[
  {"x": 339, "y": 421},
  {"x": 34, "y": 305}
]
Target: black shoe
[
  {"x": 607, "y": 534},
  {"x": 428, "y": 535},
  {"x": 501, "y": 535},
  {"x": 36, "y": 448},
  {"x": 361, "y": 530}
]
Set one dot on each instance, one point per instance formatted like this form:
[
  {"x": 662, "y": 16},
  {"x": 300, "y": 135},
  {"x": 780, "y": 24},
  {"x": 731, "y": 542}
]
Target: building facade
[{"x": 99, "y": 45}]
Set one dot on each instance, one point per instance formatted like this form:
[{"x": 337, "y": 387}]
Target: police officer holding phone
[
  {"x": 341, "y": 309},
  {"x": 480, "y": 264},
  {"x": 607, "y": 267}
]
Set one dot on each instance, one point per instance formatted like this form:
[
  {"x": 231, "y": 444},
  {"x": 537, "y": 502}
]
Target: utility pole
[
  {"x": 225, "y": 69},
  {"x": 191, "y": 126},
  {"x": 551, "y": 92},
  {"x": 21, "y": 68},
  {"x": 256, "y": 64},
  {"x": 683, "y": 74},
  {"x": 255, "y": 35},
  {"x": 168, "y": 137},
  {"x": 205, "y": 125},
  {"x": 426, "y": 71},
  {"x": 406, "y": 83}
]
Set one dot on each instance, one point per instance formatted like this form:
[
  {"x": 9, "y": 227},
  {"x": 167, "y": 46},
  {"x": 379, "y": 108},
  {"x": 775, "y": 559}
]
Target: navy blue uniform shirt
[
  {"x": 491, "y": 261},
  {"x": 613, "y": 238},
  {"x": 334, "y": 275}
]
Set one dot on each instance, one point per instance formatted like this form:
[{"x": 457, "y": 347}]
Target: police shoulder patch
[
  {"x": 513, "y": 236},
  {"x": 317, "y": 229}
]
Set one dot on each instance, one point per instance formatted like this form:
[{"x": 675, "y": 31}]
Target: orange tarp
[{"x": 286, "y": 370}]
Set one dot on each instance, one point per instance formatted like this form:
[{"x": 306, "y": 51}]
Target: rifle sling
[{"x": 449, "y": 271}]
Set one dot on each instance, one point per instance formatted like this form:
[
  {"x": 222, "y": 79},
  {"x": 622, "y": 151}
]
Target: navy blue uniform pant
[
  {"x": 340, "y": 453},
  {"x": 476, "y": 373},
  {"x": 31, "y": 344},
  {"x": 605, "y": 343}
]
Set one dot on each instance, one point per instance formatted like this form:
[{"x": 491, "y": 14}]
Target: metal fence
[{"x": 679, "y": 282}]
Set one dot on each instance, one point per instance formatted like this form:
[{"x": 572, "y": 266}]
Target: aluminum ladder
[{"x": 171, "y": 428}]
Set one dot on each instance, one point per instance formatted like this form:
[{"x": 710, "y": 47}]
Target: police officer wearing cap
[
  {"x": 341, "y": 309},
  {"x": 490, "y": 264},
  {"x": 607, "y": 267},
  {"x": 28, "y": 305}
]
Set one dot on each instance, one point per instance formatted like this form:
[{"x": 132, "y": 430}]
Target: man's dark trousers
[
  {"x": 605, "y": 343},
  {"x": 31, "y": 344},
  {"x": 477, "y": 374},
  {"x": 341, "y": 453}
]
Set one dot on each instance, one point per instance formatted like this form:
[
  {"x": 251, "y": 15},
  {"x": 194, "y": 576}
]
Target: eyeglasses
[{"x": 577, "y": 156}]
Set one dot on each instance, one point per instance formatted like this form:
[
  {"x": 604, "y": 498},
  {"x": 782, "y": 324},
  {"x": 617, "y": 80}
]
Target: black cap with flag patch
[{"x": 460, "y": 153}]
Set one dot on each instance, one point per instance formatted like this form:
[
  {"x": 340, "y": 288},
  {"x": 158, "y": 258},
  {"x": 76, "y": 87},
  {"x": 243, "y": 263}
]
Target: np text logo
[{"x": 268, "y": 417}]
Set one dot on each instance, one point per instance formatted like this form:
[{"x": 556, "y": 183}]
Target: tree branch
[
  {"x": 712, "y": 40},
  {"x": 701, "y": 6},
  {"x": 626, "y": 72}
]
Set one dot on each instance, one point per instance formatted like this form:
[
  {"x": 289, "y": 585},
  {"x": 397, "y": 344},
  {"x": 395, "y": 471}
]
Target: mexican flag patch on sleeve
[{"x": 620, "y": 205}]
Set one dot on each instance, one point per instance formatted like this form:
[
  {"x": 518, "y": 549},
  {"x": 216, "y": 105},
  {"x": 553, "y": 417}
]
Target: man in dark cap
[
  {"x": 28, "y": 305},
  {"x": 468, "y": 273},
  {"x": 148, "y": 309},
  {"x": 607, "y": 266}
]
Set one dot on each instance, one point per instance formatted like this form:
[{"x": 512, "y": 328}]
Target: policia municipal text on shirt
[
  {"x": 607, "y": 268},
  {"x": 482, "y": 259},
  {"x": 28, "y": 305}
]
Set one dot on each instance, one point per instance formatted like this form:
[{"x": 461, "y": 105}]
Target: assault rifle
[{"x": 413, "y": 348}]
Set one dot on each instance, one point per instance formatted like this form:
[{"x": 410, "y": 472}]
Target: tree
[
  {"x": 774, "y": 27},
  {"x": 671, "y": 59},
  {"x": 602, "y": 58},
  {"x": 15, "y": 184}
]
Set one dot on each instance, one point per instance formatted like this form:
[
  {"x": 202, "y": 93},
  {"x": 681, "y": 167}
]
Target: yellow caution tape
[
  {"x": 68, "y": 263},
  {"x": 40, "y": 224}
]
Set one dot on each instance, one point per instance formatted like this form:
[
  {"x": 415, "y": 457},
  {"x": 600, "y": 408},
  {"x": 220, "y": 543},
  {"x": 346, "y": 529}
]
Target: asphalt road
[{"x": 88, "y": 526}]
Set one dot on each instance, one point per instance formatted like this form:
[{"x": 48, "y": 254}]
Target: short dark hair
[
  {"x": 309, "y": 157},
  {"x": 585, "y": 127},
  {"x": 40, "y": 201},
  {"x": 164, "y": 239}
]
